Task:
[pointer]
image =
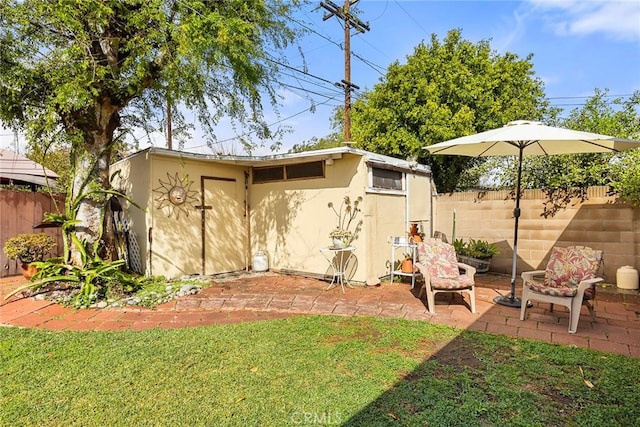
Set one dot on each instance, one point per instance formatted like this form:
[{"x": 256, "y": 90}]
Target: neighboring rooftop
[{"x": 18, "y": 170}]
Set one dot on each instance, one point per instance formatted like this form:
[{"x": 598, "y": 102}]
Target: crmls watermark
[{"x": 319, "y": 418}]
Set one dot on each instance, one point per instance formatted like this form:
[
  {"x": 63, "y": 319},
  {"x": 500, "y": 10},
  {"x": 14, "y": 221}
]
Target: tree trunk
[{"x": 92, "y": 161}]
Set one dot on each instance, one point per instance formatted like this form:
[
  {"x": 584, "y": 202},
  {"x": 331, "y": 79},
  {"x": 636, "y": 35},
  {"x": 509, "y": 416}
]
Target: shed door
[{"x": 223, "y": 228}]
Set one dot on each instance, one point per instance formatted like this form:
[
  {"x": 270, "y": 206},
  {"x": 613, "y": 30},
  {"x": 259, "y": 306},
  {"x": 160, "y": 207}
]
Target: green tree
[
  {"x": 570, "y": 175},
  {"x": 83, "y": 71},
  {"x": 566, "y": 177},
  {"x": 446, "y": 90},
  {"x": 625, "y": 174},
  {"x": 618, "y": 117},
  {"x": 56, "y": 159},
  {"x": 315, "y": 143},
  {"x": 334, "y": 139}
]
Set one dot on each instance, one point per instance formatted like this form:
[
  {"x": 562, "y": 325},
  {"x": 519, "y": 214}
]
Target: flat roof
[{"x": 288, "y": 158}]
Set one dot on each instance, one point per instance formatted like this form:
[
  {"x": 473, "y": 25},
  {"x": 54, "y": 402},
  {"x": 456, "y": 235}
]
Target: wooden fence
[{"x": 20, "y": 211}]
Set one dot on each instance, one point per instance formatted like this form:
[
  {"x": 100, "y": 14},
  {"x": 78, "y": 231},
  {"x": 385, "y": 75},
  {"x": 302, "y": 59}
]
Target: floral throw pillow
[
  {"x": 569, "y": 266},
  {"x": 439, "y": 258}
]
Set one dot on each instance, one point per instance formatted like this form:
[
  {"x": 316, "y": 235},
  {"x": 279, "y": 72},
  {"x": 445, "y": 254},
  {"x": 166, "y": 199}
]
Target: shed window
[
  {"x": 387, "y": 179},
  {"x": 288, "y": 172},
  {"x": 305, "y": 170},
  {"x": 275, "y": 173}
]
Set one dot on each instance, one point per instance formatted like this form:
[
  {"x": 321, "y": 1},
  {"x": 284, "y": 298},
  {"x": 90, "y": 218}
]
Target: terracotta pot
[
  {"x": 416, "y": 238},
  {"x": 406, "y": 266},
  {"x": 28, "y": 271}
]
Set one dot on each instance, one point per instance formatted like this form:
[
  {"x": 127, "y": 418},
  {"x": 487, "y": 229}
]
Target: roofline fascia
[{"x": 334, "y": 153}]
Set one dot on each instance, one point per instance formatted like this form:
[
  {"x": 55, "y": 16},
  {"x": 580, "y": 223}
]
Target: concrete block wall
[{"x": 601, "y": 222}]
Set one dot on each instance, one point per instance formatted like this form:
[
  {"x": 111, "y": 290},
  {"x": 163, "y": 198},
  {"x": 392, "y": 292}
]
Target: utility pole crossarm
[
  {"x": 344, "y": 14},
  {"x": 334, "y": 10}
]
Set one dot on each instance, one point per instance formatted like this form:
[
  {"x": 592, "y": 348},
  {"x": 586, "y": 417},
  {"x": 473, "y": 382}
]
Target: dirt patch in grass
[
  {"x": 425, "y": 349},
  {"x": 363, "y": 333},
  {"x": 458, "y": 353}
]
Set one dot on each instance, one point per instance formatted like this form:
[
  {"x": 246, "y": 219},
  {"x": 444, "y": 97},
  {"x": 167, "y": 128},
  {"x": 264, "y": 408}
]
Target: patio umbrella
[{"x": 521, "y": 138}]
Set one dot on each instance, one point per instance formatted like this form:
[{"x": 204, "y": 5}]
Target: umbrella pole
[{"x": 511, "y": 300}]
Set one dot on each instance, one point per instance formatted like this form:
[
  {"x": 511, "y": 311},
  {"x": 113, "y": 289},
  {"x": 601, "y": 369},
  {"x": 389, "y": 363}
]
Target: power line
[
  {"x": 372, "y": 65},
  {"x": 327, "y": 38},
  {"x": 271, "y": 124},
  {"x": 578, "y": 104},
  {"x": 307, "y": 90},
  {"x": 332, "y": 90},
  {"x": 591, "y": 96},
  {"x": 411, "y": 17},
  {"x": 386, "y": 4},
  {"x": 300, "y": 71}
]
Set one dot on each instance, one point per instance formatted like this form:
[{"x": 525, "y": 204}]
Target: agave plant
[{"x": 92, "y": 279}]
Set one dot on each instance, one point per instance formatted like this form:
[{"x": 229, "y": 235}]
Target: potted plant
[
  {"x": 406, "y": 266},
  {"x": 342, "y": 235},
  {"x": 340, "y": 238},
  {"x": 415, "y": 234},
  {"x": 481, "y": 249},
  {"x": 460, "y": 246},
  {"x": 28, "y": 248},
  {"x": 476, "y": 253}
]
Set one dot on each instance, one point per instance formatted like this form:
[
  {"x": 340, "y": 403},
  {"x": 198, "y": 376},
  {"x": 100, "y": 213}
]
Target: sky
[{"x": 577, "y": 47}]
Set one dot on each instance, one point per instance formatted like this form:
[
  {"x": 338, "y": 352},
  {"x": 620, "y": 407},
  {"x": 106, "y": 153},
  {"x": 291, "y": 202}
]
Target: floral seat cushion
[
  {"x": 567, "y": 267},
  {"x": 460, "y": 282},
  {"x": 439, "y": 258}
]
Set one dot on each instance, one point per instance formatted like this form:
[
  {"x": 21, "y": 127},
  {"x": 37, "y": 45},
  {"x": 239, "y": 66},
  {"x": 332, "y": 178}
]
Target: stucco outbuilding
[{"x": 209, "y": 214}]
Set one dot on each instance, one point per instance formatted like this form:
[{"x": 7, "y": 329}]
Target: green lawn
[{"x": 308, "y": 371}]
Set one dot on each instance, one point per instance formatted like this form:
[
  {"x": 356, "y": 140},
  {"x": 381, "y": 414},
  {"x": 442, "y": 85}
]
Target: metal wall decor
[{"x": 176, "y": 195}]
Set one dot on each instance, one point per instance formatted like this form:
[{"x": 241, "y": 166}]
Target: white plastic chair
[
  {"x": 569, "y": 280},
  {"x": 441, "y": 271}
]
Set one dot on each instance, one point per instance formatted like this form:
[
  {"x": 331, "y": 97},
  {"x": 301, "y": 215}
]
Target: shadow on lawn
[
  {"x": 443, "y": 390},
  {"x": 486, "y": 379},
  {"x": 474, "y": 381}
]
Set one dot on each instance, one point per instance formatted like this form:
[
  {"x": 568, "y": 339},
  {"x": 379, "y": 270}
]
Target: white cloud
[
  {"x": 550, "y": 79},
  {"x": 288, "y": 98},
  {"x": 618, "y": 19}
]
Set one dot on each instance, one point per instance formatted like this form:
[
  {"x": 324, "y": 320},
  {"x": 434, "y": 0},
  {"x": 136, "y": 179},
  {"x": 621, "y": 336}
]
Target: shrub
[
  {"x": 29, "y": 247},
  {"x": 480, "y": 249}
]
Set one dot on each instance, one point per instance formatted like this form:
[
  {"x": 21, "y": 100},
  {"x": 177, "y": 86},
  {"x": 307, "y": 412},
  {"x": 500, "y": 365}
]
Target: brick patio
[{"x": 270, "y": 296}]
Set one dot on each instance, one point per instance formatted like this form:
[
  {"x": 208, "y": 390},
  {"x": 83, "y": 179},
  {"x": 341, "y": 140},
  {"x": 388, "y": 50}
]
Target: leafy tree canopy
[
  {"x": 334, "y": 139},
  {"x": 445, "y": 90},
  {"x": 617, "y": 117},
  {"x": 330, "y": 141},
  {"x": 84, "y": 71},
  {"x": 566, "y": 177}
]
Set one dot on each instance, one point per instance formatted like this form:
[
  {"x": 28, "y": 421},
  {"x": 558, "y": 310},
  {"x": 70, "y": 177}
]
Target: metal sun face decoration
[{"x": 176, "y": 194}]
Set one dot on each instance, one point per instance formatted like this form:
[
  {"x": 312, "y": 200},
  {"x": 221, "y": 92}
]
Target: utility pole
[{"x": 350, "y": 21}]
